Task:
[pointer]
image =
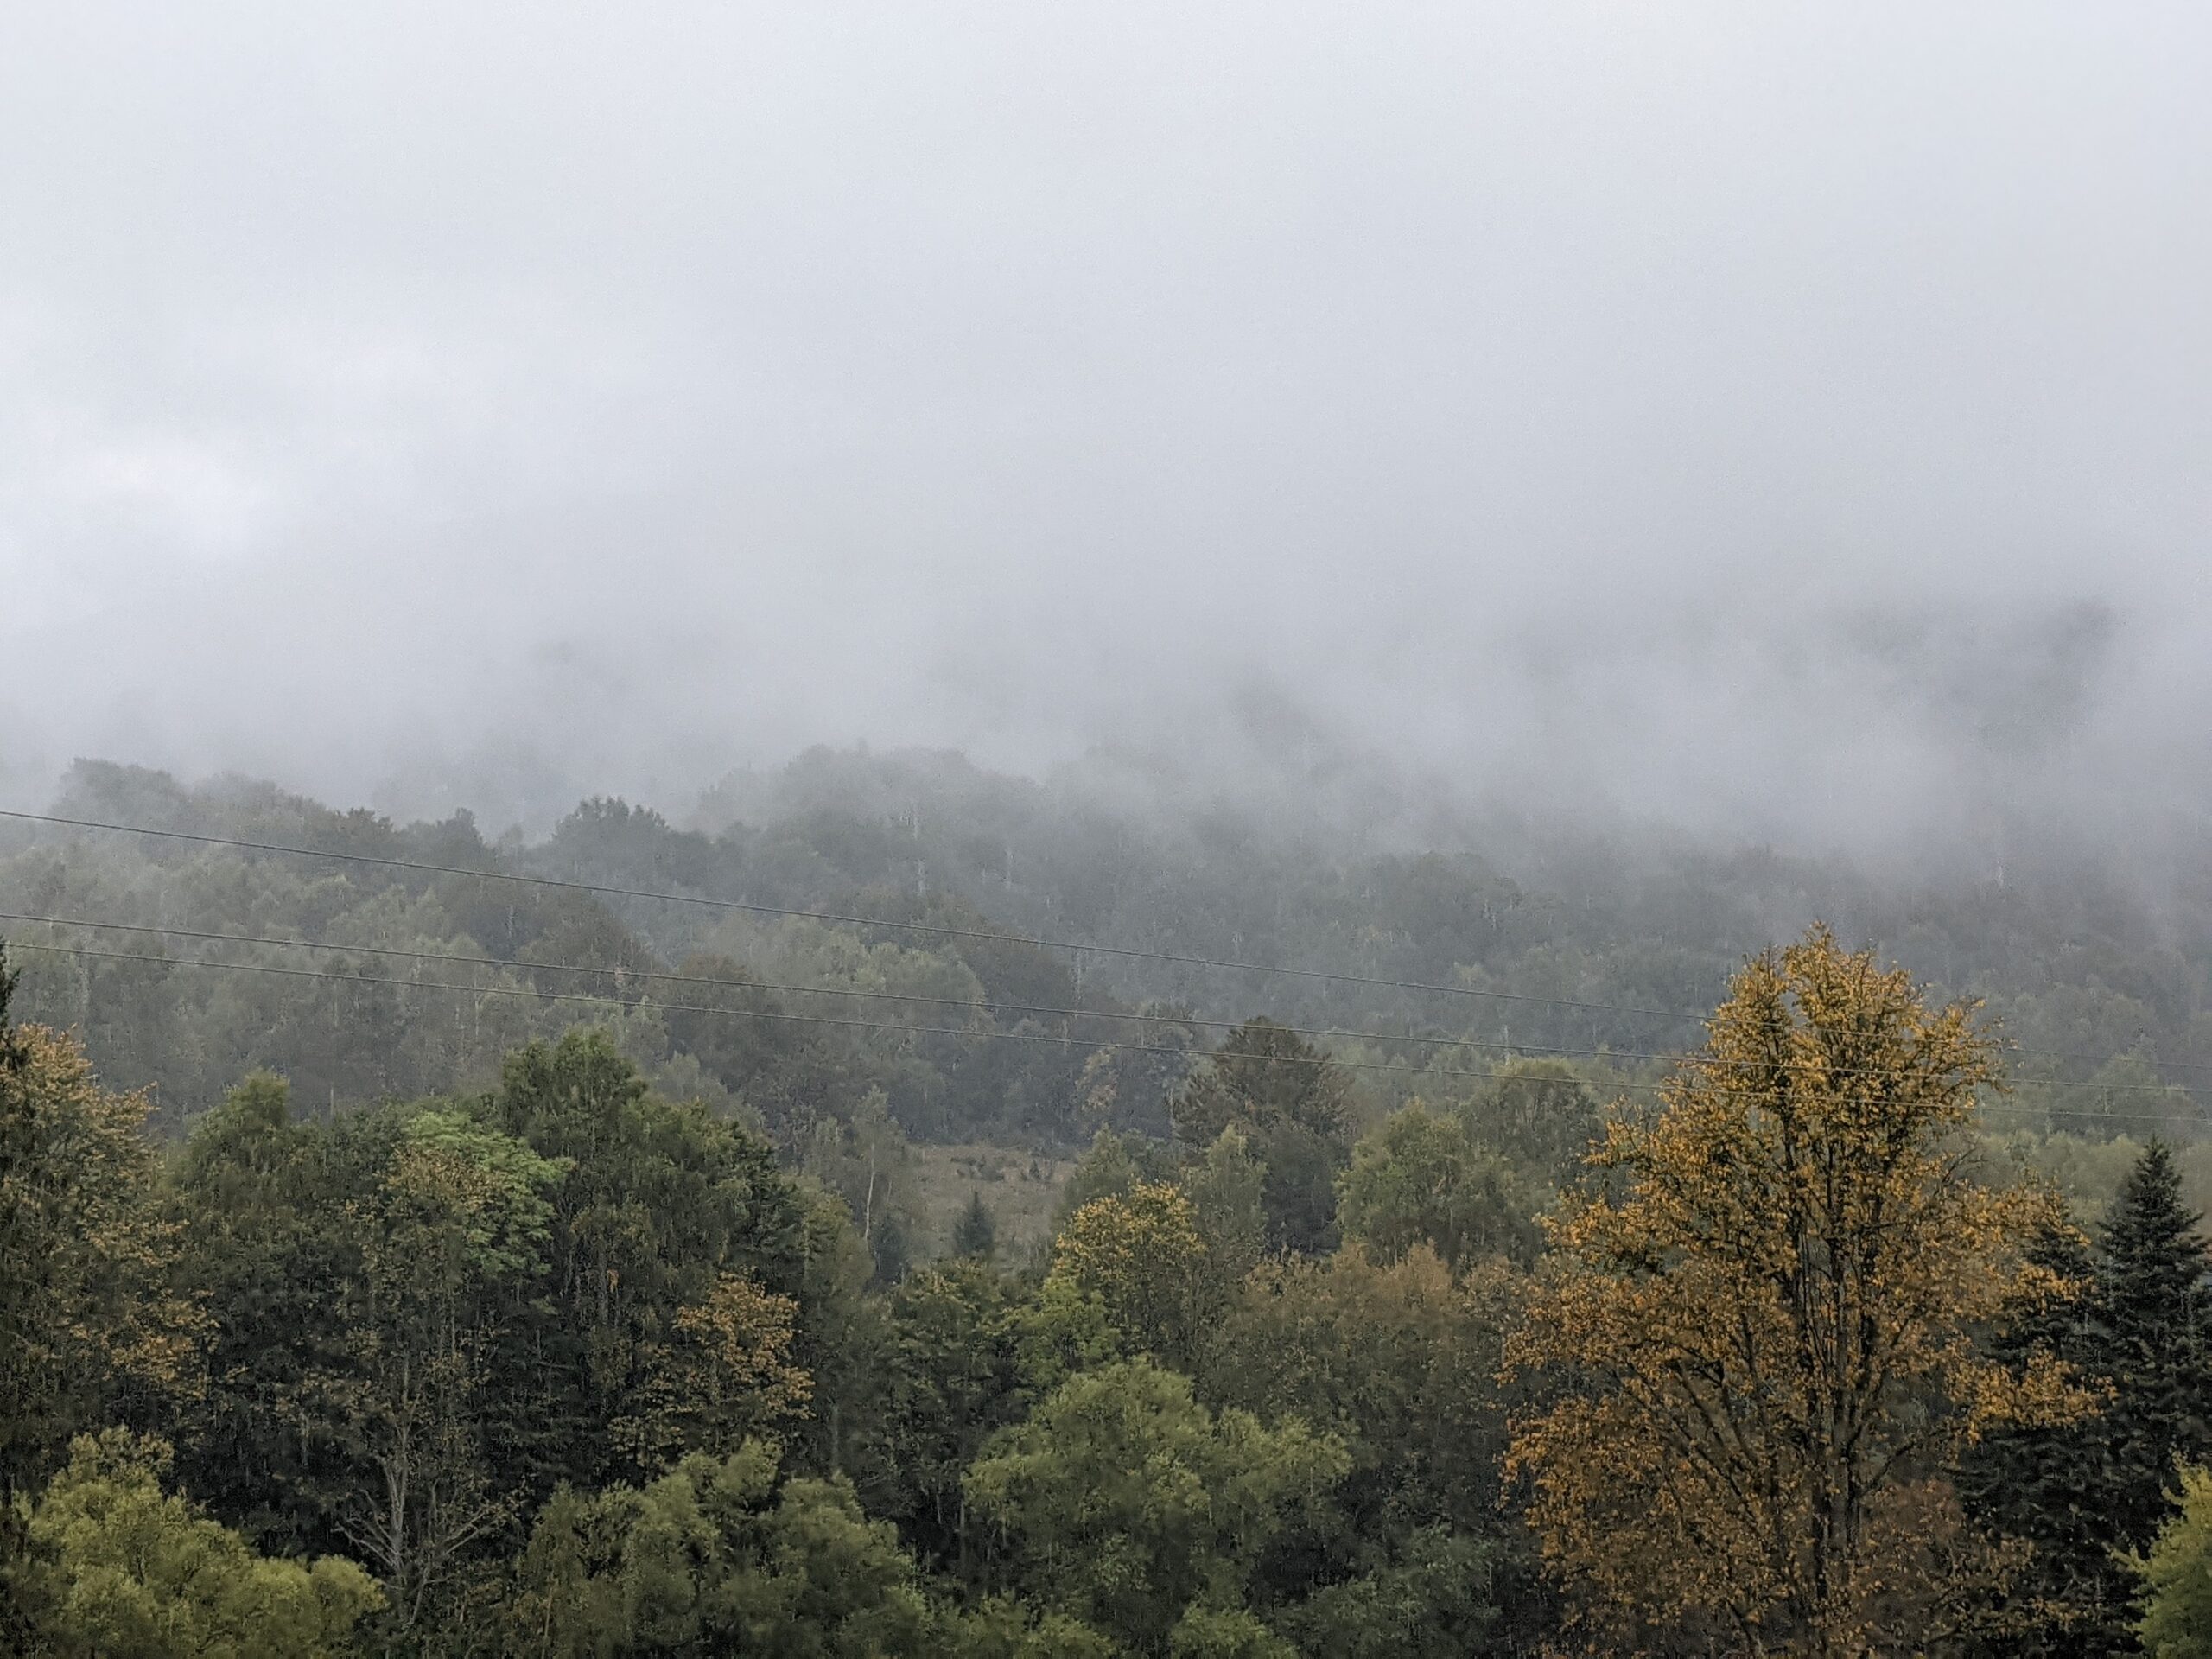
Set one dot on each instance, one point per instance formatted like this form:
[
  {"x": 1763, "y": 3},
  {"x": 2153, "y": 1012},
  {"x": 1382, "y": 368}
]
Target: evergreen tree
[
  {"x": 2086, "y": 1494},
  {"x": 2153, "y": 1343},
  {"x": 2043, "y": 1485},
  {"x": 975, "y": 1234}
]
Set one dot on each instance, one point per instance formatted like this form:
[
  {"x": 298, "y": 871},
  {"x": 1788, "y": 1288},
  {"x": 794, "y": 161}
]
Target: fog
[{"x": 1786, "y": 423}]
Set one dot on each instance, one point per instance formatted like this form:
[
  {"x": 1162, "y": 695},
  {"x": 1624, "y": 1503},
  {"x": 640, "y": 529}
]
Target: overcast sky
[{"x": 1744, "y": 411}]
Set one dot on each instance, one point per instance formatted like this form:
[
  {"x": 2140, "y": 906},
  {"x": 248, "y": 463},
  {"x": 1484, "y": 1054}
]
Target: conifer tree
[
  {"x": 2041, "y": 1485},
  {"x": 975, "y": 1234},
  {"x": 2153, "y": 1343}
]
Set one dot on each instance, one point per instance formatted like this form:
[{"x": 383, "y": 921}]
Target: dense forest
[
  {"x": 415, "y": 1242},
  {"x": 1430, "y": 965}
]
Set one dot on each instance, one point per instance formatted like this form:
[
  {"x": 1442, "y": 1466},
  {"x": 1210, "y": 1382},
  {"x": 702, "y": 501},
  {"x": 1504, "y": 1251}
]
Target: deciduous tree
[
  {"x": 1143, "y": 1256},
  {"x": 1129, "y": 1506},
  {"x": 1765, "y": 1323},
  {"x": 1417, "y": 1177},
  {"x": 92, "y": 1324},
  {"x": 120, "y": 1568},
  {"x": 2176, "y": 1575}
]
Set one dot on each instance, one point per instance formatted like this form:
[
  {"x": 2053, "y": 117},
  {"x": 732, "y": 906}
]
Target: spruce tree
[
  {"x": 2153, "y": 1307},
  {"x": 2044, "y": 1486},
  {"x": 976, "y": 1233}
]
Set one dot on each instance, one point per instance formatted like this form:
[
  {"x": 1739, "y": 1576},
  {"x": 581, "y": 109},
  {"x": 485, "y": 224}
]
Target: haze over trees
[
  {"x": 1387, "y": 1321},
  {"x": 1143, "y": 832}
]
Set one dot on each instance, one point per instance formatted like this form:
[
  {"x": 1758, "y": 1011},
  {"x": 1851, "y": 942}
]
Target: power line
[
  {"x": 940, "y": 931},
  {"x": 917, "y": 1031},
  {"x": 1526, "y": 1050}
]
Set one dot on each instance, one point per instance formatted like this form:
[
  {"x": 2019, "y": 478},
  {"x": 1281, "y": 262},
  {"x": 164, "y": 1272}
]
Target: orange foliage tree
[{"x": 1757, "y": 1321}]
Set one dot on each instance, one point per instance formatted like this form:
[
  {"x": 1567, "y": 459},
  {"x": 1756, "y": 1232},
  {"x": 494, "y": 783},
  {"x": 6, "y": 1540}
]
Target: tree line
[
  {"x": 2102, "y": 977},
  {"x": 1783, "y": 1358}
]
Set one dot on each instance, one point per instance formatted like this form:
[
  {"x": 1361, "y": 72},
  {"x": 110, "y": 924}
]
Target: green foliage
[
  {"x": 1143, "y": 1257},
  {"x": 1125, "y": 1503},
  {"x": 844, "y": 1334},
  {"x": 1204, "y": 1632},
  {"x": 1108, "y": 1168},
  {"x": 1399, "y": 1362},
  {"x": 2086, "y": 1495},
  {"x": 1293, "y": 1106},
  {"x": 2154, "y": 1341},
  {"x": 714, "y": 1558},
  {"x": 22, "y": 1292},
  {"x": 1540, "y": 1114},
  {"x": 451, "y": 1235},
  {"x": 976, "y": 1234},
  {"x": 1228, "y": 1191},
  {"x": 495, "y": 1262},
  {"x": 953, "y": 1373},
  {"x": 93, "y": 1324},
  {"x": 269, "y": 1244},
  {"x": 862, "y": 1156},
  {"x": 1416, "y": 1178},
  {"x": 121, "y": 1570},
  {"x": 1430, "y": 1601},
  {"x": 999, "y": 1627},
  {"x": 2070, "y": 961},
  {"x": 2177, "y": 1576},
  {"x": 425, "y": 1317},
  {"x": 657, "y": 1203}
]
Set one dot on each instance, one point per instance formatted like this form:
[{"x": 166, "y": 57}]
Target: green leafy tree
[
  {"x": 1431, "y": 1601},
  {"x": 1000, "y": 1627},
  {"x": 1127, "y": 1504},
  {"x": 1144, "y": 1258},
  {"x": 1417, "y": 1177},
  {"x": 451, "y": 1236},
  {"x": 1400, "y": 1362},
  {"x": 1228, "y": 1190},
  {"x": 1293, "y": 1104},
  {"x": 1110, "y": 1166},
  {"x": 713, "y": 1558},
  {"x": 120, "y": 1569},
  {"x": 267, "y": 1249},
  {"x": 24, "y": 1291},
  {"x": 657, "y": 1209},
  {"x": 93, "y": 1326},
  {"x": 952, "y": 1380},
  {"x": 844, "y": 1336},
  {"x": 861, "y": 1154},
  {"x": 1540, "y": 1114},
  {"x": 2177, "y": 1576}
]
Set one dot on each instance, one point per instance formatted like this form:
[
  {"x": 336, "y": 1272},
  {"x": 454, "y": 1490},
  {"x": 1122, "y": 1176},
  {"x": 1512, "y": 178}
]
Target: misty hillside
[{"x": 2102, "y": 985}]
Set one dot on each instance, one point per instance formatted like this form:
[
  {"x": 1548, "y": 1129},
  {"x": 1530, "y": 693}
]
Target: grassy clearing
[{"x": 1020, "y": 1189}]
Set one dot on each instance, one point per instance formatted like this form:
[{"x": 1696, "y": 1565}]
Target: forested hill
[{"x": 2103, "y": 982}]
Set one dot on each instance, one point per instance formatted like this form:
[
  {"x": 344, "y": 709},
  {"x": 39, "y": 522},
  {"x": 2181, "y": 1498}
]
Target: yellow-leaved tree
[
  {"x": 1758, "y": 1326},
  {"x": 1144, "y": 1256}
]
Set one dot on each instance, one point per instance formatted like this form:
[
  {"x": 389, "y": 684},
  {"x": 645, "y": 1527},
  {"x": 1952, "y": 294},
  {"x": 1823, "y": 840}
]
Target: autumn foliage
[{"x": 1761, "y": 1316}]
